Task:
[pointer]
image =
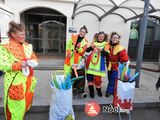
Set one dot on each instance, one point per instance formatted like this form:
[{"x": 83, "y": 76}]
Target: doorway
[{"x": 45, "y": 30}]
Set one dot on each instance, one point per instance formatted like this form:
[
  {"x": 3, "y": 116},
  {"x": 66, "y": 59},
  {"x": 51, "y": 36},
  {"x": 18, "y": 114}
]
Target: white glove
[
  {"x": 25, "y": 70},
  {"x": 32, "y": 63}
]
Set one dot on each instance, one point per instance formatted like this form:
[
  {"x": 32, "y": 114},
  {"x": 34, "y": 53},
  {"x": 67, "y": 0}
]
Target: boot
[
  {"x": 91, "y": 90},
  {"x": 99, "y": 92}
]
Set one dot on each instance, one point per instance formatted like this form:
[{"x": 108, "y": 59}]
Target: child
[{"x": 95, "y": 64}]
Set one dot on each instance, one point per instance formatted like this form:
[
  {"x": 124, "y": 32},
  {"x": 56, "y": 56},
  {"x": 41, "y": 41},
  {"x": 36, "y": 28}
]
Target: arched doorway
[{"x": 46, "y": 30}]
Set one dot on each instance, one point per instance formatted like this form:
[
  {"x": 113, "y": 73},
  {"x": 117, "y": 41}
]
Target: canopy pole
[{"x": 143, "y": 27}]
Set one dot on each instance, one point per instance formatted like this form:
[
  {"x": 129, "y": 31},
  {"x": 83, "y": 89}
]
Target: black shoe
[
  {"x": 92, "y": 95},
  {"x": 107, "y": 94},
  {"x": 91, "y": 90},
  {"x": 99, "y": 92}
]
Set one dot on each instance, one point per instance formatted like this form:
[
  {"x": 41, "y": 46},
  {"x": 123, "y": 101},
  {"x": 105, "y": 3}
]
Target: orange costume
[
  {"x": 75, "y": 50},
  {"x": 18, "y": 88}
]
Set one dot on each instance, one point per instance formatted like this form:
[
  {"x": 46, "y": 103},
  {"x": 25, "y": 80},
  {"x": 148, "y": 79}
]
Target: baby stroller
[{"x": 79, "y": 84}]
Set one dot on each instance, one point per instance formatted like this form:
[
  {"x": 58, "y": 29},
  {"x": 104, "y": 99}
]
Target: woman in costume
[
  {"x": 117, "y": 54},
  {"x": 95, "y": 64},
  {"x": 17, "y": 61},
  {"x": 75, "y": 50},
  {"x": 74, "y": 61}
]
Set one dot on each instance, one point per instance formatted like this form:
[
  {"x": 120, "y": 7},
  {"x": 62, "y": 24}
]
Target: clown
[
  {"x": 75, "y": 50},
  {"x": 95, "y": 64},
  {"x": 117, "y": 54},
  {"x": 17, "y": 60}
]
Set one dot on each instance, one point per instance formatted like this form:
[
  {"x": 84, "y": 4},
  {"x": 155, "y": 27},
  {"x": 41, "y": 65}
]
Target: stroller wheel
[{"x": 84, "y": 95}]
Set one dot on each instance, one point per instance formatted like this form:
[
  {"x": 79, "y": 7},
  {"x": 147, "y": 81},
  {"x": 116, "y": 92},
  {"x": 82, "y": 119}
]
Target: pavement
[{"x": 145, "y": 96}]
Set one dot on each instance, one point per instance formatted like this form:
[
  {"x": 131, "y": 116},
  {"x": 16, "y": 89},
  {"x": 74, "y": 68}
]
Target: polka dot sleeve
[
  {"x": 17, "y": 66},
  {"x": 5, "y": 60}
]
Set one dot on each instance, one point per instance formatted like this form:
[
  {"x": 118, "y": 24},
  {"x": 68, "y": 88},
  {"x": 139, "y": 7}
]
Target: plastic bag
[
  {"x": 125, "y": 93},
  {"x": 124, "y": 88},
  {"x": 61, "y": 101},
  {"x": 61, "y": 104}
]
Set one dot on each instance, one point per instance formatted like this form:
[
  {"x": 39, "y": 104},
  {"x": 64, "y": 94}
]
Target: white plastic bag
[
  {"x": 124, "y": 96},
  {"x": 61, "y": 104}
]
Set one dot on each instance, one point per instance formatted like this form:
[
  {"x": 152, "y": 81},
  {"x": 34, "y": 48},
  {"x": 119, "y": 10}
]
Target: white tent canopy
[{"x": 126, "y": 9}]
